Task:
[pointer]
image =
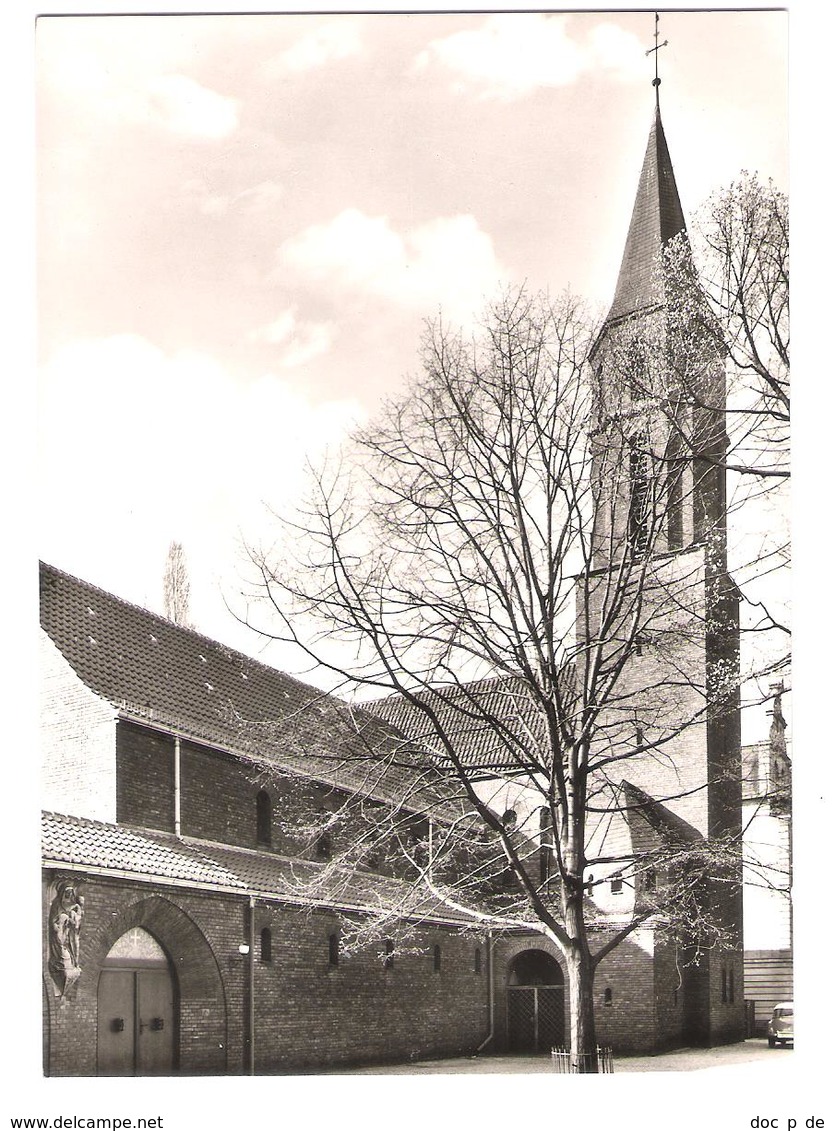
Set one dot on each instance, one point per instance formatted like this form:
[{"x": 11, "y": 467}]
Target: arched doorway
[
  {"x": 535, "y": 1008},
  {"x": 137, "y": 1008}
]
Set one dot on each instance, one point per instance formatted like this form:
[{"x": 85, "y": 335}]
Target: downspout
[
  {"x": 251, "y": 1033},
  {"x": 177, "y": 785},
  {"x": 491, "y": 996}
]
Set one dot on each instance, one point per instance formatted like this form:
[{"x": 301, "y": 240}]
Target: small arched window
[
  {"x": 266, "y": 945},
  {"x": 477, "y": 960},
  {"x": 436, "y": 958},
  {"x": 731, "y": 984},
  {"x": 607, "y": 996},
  {"x": 333, "y": 949},
  {"x": 649, "y": 879},
  {"x": 263, "y": 818},
  {"x": 324, "y": 845},
  {"x": 617, "y": 885},
  {"x": 724, "y": 983},
  {"x": 388, "y": 960}
]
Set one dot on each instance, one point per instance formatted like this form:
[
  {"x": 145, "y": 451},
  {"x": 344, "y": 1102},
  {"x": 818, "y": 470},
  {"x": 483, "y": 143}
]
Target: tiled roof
[
  {"x": 493, "y": 724},
  {"x": 652, "y": 824},
  {"x": 156, "y": 857},
  {"x": 158, "y": 672},
  {"x": 482, "y": 720},
  {"x": 656, "y": 218}
]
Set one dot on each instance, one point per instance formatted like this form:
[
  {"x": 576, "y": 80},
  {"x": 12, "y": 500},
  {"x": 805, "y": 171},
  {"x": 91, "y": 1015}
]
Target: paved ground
[{"x": 683, "y": 1060}]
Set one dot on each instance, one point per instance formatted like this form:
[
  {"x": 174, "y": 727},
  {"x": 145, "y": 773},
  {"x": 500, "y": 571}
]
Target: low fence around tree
[{"x": 563, "y": 1061}]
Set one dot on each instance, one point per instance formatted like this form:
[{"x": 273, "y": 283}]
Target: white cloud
[
  {"x": 149, "y": 85},
  {"x": 512, "y": 54},
  {"x": 338, "y": 39},
  {"x": 449, "y": 262},
  {"x": 302, "y": 340},
  {"x": 256, "y": 198},
  {"x": 137, "y": 447},
  {"x": 183, "y": 106}
]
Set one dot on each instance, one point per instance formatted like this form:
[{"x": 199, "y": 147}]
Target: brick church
[{"x": 175, "y": 939}]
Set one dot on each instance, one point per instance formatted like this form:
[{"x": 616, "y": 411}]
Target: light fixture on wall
[{"x": 243, "y": 948}]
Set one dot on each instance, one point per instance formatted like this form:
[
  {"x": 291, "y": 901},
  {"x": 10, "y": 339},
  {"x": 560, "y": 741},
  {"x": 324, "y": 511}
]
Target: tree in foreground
[{"x": 519, "y": 556}]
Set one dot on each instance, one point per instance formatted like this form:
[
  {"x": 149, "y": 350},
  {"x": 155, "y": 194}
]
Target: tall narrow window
[
  {"x": 263, "y": 818},
  {"x": 607, "y": 996},
  {"x": 724, "y": 983},
  {"x": 477, "y": 961},
  {"x": 436, "y": 958},
  {"x": 544, "y": 844},
  {"x": 388, "y": 960},
  {"x": 266, "y": 945},
  {"x": 731, "y": 984},
  {"x": 616, "y": 885},
  {"x": 675, "y": 482},
  {"x": 333, "y": 949},
  {"x": 324, "y": 845},
  {"x": 649, "y": 879},
  {"x": 638, "y": 497}
]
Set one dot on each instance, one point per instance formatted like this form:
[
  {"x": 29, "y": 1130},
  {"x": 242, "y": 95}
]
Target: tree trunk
[{"x": 580, "y": 990}]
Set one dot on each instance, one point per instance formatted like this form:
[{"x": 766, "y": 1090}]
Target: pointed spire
[{"x": 656, "y": 218}]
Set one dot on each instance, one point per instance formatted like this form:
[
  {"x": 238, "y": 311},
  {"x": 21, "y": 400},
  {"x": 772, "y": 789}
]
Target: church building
[{"x": 175, "y": 936}]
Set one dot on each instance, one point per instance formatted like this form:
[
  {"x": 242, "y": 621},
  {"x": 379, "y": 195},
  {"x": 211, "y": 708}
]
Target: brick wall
[
  {"x": 77, "y": 734},
  {"x": 307, "y": 1012}
]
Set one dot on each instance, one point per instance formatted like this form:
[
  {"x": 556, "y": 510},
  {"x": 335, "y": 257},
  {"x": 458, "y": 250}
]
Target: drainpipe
[
  {"x": 251, "y": 1034},
  {"x": 177, "y": 787},
  {"x": 491, "y": 1002}
]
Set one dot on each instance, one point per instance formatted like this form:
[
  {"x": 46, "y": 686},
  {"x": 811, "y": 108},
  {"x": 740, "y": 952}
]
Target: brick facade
[{"x": 308, "y": 1012}]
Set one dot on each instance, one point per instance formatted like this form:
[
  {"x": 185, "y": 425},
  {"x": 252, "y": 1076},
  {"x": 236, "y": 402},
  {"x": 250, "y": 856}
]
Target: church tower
[{"x": 660, "y": 516}]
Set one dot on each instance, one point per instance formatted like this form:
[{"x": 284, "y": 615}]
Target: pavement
[{"x": 681, "y": 1060}]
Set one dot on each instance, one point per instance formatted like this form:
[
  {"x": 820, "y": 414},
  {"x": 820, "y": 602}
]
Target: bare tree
[
  {"x": 506, "y": 551},
  {"x": 176, "y": 586}
]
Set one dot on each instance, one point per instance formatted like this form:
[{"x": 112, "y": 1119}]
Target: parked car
[{"x": 780, "y": 1028}]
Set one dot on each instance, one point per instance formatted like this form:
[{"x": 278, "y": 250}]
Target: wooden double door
[{"x": 137, "y": 1017}]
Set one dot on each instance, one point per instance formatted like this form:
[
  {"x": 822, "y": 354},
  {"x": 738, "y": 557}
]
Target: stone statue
[{"x": 65, "y": 917}]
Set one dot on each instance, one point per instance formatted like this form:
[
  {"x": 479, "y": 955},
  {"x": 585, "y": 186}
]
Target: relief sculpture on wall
[{"x": 64, "y": 926}]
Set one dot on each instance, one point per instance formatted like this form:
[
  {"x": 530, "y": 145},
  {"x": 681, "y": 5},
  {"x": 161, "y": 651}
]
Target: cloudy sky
[{"x": 244, "y": 220}]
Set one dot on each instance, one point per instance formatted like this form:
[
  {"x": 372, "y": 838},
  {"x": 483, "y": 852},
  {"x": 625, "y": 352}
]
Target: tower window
[
  {"x": 607, "y": 996},
  {"x": 649, "y": 879},
  {"x": 477, "y": 960},
  {"x": 266, "y": 945},
  {"x": 263, "y": 818},
  {"x": 675, "y": 479},
  {"x": 616, "y": 885},
  {"x": 333, "y": 949},
  {"x": 388, "y": 960},
  {"x": 638, "y": 498},
  {"x": 724, "y": 983},
  {"x": 436, "y": 958}
]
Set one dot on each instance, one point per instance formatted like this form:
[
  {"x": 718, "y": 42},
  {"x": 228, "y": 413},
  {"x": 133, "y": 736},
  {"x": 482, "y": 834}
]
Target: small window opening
[
  {"x": 436, "y": 958},
  {"x": 388, "y": 961},
  {"x": 649, "y": 879},
  {"x": 263, "y": 818},
  {"x": 324, "y": 845},
  {"x": 724, "y": 983},
  {"x": 509, "y": 818},
  {"x": 607, "y": 996},
  {"x": 617, "y": 885},
  {"x": 333, "y": 949},
  {"x": 731, "y": 985},
  {"x": 266, "y": 945},
  {"x": 675, "y": 997},
  {"x": 477, "y": 960}
]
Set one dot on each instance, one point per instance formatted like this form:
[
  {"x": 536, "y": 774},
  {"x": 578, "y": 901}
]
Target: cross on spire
[{"x": 656, "y": 82}]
